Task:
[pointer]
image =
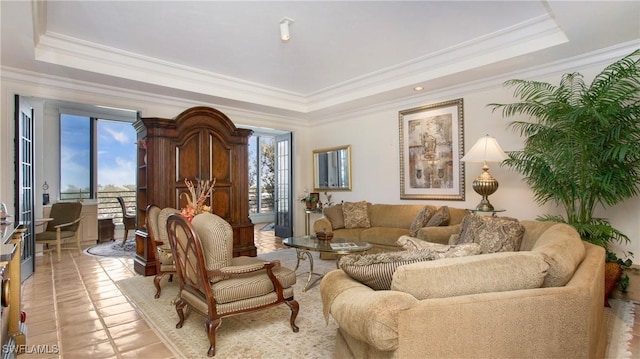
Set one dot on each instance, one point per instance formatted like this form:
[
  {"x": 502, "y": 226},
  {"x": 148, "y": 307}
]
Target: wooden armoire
[{"x": 201, "y": 143}]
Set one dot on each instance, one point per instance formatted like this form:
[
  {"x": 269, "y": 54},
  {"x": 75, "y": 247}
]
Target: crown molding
[
  {"x": 526, "y": 37},
  {"x": 71, "y": 52}
]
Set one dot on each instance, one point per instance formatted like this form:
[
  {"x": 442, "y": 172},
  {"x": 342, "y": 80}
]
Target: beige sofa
[
  {"x": 421, "y": 318},
  {"x": 389, "y": 222}
]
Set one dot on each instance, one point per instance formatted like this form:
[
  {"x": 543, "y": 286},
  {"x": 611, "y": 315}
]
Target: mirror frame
[{"x": 316, "y": 184}]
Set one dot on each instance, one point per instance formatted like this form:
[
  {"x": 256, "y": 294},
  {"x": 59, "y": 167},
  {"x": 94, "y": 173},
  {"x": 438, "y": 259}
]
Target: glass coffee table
[{"x": 304, "y": 245}]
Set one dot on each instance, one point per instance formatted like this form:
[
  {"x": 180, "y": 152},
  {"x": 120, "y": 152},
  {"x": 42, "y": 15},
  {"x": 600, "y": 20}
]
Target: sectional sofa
[
  {"x": 387, "y": 222},
  {"x": 544, "y": 301}
]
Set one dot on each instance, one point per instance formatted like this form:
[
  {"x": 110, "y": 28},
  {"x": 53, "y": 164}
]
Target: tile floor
[{"x": 75, "y": 310}]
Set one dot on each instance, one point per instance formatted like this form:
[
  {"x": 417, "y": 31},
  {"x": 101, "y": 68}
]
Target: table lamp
[{"x": 486, "y": 149}]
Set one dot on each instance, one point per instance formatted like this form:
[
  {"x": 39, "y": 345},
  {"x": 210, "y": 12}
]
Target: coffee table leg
[{"x": 301, "y": 254}]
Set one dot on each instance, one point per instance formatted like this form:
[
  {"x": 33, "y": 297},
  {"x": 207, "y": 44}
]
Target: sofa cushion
[
  {"x": 356, "y": 215},
  {"x": 376, "y": 270},
  {"x": 563, "y": 250},
  {"x": 440, "y": 250},
  {"x": 387, "y": 236},
  {"x": 494, "y": 234},
  {"x": 394, "y": 215},
  {"x": 421, "y": 220},
  {"x": 334, "y": 215},
  {"x": 496, "y": 272},
  {"x": 440, "y": 218}
]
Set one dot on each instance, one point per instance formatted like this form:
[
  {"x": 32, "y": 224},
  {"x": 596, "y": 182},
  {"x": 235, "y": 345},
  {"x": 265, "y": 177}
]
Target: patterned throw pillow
[
  {"x": 355, "y": 215},
  {"x": 493, "y": 234},
  {"x": 376, "y": 270},
  {"x": 439, "y": 250},
  {"x": 440, "y": 218},
  {"x": 334, "y": 215},
  {"x": 421, "y": 220}
]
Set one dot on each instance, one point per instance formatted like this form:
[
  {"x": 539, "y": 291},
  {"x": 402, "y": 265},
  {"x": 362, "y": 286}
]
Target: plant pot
[
  {"x": 311, "y": 205},
  {"x": 612, "y": 274}
]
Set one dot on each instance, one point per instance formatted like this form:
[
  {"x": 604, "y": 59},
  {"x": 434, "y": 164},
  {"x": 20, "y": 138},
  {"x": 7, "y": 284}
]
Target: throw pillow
[
  {"x": 376, "y": 270},
  {"x": 355, "y": 215},
  {"x": 421, "y": 220},
  {"x": 440, "y": 218},
  {"x": 334, "y": 215},
  {"x": 493, "y": 234},
  {"x": 498, "y": 272},
  {"x": 439, "y": 250}
]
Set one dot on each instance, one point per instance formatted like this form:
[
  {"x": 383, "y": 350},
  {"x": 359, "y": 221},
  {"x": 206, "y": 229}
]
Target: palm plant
[{"x": 582, "y": 148}]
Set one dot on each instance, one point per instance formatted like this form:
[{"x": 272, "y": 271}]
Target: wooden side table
[{"x": 105, "y": 229}]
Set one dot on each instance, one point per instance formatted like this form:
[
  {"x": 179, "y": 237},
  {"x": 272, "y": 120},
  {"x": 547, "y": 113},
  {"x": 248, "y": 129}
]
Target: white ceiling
[{"x": 340, "y": 55}]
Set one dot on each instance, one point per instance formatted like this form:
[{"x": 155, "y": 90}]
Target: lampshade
[{"x": 486, "y": 149}]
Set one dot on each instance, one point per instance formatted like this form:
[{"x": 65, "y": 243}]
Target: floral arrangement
[
  {"x": 308, "y": 197},
  {"x": 196, "y": 197}
]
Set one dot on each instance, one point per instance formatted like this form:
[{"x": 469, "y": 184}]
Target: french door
[
  {"x": 24, "y": 181},
  {"x": 283, "y": 203}
]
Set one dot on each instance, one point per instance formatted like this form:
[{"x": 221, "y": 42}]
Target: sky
[{"x": 116, "y": 152}]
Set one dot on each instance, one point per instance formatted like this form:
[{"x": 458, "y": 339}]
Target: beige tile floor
[{"x": 75, "y": 307}]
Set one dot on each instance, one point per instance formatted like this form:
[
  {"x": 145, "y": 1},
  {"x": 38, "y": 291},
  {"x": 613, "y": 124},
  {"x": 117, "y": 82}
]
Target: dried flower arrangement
[{"x": 196, "y": 197}]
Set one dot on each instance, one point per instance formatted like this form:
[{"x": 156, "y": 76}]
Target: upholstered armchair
[
  {"x": 128, "y": 220},
  {"x": 216, "y": 285},
  {"x": 65, "y": 226},
  {"x": 156, "y": 221}
]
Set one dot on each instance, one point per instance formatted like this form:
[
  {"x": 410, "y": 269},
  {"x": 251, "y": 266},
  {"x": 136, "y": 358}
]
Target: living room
[{"x": 371, "y": 129}]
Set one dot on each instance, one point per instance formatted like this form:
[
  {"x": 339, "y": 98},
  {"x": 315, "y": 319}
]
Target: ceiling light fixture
[
  {"x": 284, "y": 28},
  {"x": 418, "y": 88}
]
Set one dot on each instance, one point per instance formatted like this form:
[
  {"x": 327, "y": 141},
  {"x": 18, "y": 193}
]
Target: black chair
[{"x": 128, "y": 220}]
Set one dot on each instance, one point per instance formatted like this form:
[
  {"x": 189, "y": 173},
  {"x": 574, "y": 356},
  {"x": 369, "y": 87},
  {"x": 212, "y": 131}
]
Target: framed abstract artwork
[{"x": 431, "y": 145}]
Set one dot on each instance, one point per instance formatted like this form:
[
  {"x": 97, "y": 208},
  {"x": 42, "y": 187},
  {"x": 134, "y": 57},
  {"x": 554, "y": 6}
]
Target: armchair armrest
[
  {"x": 63, "y": 225},
  {"x": 241, "y": 265}
]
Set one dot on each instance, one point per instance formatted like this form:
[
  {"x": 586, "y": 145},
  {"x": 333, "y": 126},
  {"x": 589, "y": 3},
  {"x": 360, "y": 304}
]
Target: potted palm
[{"x": 581, "y": 145}]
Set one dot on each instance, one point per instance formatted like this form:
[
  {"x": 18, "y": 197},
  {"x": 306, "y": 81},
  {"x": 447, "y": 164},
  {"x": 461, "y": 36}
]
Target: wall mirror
[{"x": 332, "y": 169}]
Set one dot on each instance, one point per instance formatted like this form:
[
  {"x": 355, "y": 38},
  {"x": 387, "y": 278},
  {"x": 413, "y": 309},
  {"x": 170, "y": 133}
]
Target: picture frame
[
  {"x": 315, "y": 195},
  {"x": 431, "y": 146}
]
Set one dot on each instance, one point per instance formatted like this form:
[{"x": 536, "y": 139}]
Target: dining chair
[{"x": 128, "y": 220}]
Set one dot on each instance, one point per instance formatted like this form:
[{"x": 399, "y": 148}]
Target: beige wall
[{"x": 372, "y": 133}]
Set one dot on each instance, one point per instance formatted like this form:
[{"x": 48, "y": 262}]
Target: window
[
  {"x": 76, "y": 166},
  {"x": 96, "y": 155},
  {"x": 261, "y": 173}
]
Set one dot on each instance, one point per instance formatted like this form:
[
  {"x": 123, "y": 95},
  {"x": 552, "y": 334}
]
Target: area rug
[
  {"x": 267, "y": 334},
  {"x": 262, "y": 334},
  {"x": 113, "y": 249},
  {"x": 620, "y": 318}
]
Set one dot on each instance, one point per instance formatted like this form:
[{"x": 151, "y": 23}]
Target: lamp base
[
  {"x": 485, "y": 185},
  {"x": 485, "y": 205}
]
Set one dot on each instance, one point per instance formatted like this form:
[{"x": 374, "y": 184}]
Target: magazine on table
[{"x": 347, "y": 245}]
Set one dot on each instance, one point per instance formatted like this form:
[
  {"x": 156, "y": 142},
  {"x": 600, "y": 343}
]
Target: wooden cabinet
[{"x": 200, "y": 143}]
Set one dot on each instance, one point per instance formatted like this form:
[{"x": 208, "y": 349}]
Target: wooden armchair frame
[{"x": 195, "y": 281}]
